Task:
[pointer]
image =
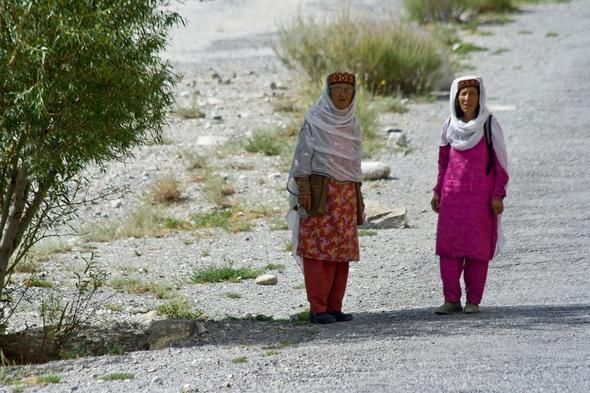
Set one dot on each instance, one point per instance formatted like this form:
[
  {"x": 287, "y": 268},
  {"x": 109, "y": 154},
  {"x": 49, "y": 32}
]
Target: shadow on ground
[
  {"x": 25, "y": 347},
  {"x": 416, "y": 322}
]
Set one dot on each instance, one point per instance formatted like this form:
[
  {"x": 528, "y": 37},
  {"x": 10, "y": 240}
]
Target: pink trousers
[
  {"x": 475, "y": 273},
  {"x": 325, "y": 283}
]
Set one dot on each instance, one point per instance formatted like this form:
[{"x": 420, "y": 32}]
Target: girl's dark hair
[{"x": 458, "y": 109}]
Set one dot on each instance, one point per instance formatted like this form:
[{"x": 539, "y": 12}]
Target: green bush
[
  {"x": 482, "y": 6},
  {"x": 82, "y": 83},
  {"x": 387, "y": 57},
  {"x": 429, "y": 11},
  {"x": 266, "y": 142}
]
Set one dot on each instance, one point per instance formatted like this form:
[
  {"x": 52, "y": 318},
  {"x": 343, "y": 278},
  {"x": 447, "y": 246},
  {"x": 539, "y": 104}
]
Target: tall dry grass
[{"x": 388, "y": 57}]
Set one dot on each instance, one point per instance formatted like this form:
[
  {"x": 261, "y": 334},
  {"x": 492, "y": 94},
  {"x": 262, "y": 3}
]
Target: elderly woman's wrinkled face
[
  {"x": 468, "y": 101},
  {"x": 341, "y": 95}
]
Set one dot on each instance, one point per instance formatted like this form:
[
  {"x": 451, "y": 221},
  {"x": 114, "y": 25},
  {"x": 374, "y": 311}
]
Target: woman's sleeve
[
  {"x": 303, "y": 152},
  {"x": 443, "y": 161},
  {"x": 500, "y": 161},
  {"x": 443, "y": 156},
  {"x": 501, "y": 181}
]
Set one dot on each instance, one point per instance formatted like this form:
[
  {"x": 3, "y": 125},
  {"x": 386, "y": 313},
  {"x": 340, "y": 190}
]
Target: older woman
[
  {"x": 326, "y": 201},
  {"x": 469, "y": 194}
]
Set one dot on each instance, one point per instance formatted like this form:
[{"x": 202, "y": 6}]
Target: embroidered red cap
[
  {"x": 467, "y": 83},
  {"x": 341, "y": 77}
]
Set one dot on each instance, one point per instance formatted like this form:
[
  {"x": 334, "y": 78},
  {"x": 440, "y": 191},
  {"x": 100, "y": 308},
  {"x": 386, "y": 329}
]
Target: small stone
[
  {"x": 187, "y": 388},
  {"x": 374, "y": 170},
  {"x": 214, "y": 101},
  {"x": 157, "y": 381},
  {"x": 267, "y": 279}
]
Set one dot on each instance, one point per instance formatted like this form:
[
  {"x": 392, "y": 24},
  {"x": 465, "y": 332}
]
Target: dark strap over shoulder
[{"x": 487, "y": 128}]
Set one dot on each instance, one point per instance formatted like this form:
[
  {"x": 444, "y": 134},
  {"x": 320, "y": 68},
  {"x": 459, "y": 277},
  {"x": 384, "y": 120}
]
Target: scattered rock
[
  {"x": 374, "y": 170},
  {"x": 380, "y": 217},
  {"x": 188, "y": 389},
  {"x": 148, "y": 317},
  {"x": 210, "y": 140},
  {"x": 213, "y": 101},
  {"x": 402, "y": 141},
  {"x": 167, "y": 332},
  {"x": 267, "y": 279}
]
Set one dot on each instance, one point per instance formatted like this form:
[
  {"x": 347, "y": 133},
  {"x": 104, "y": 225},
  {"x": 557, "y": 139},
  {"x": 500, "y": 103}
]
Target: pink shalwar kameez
[{"x": 467, "y": 229}]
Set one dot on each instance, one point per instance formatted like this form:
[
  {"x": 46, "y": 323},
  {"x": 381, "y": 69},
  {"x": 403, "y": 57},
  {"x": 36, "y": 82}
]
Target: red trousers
[
  {"x": 325, "y": 283},
  {"x": 475, "y": 273}
]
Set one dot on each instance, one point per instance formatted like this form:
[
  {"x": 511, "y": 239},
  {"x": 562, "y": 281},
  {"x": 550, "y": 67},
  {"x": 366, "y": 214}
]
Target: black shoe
[
  {"x": 321, "y": 318},
  {"x": 341, "y": 317}
]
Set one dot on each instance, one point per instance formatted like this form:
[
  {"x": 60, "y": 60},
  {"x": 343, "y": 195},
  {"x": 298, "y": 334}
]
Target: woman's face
[
  {"x": 341, "y": 95},
  {"x": 468, "y": 101}
]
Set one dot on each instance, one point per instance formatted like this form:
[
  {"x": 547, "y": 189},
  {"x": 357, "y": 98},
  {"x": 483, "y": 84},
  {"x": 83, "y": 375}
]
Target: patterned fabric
[{"x": 333, "y": 236}]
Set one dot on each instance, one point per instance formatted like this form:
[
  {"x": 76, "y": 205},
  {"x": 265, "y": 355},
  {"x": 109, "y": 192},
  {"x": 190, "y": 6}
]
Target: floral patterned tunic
[{"x": 333, "y": 236}]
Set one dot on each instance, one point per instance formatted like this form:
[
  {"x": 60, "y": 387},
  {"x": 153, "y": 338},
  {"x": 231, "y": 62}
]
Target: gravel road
[{"x": 533, "y": 334}]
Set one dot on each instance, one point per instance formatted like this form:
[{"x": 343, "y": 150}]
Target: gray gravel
[{"x": 533, "y": 333}]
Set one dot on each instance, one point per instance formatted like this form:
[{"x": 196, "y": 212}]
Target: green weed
[
  {"x": 224, "y": 273},
  {"x": 179, "y": 309}
]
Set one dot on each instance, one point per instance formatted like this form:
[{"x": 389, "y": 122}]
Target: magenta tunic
[{"x": 466, "y": 225}]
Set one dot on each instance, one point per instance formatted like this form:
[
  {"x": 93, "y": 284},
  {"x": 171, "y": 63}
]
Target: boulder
[
  {"x": 164, "y": 333},
  {"x": 381, "y": 217}
]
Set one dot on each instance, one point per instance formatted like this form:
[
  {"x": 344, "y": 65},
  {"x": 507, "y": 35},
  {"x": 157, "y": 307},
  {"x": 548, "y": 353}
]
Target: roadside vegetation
[
  {"x": 465, "y": 11},
  {"x": 388, "y": 57}
]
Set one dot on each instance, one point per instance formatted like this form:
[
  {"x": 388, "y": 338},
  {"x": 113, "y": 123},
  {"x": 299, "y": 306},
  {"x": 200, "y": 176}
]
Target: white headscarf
[
  {"x": 465, "y": 135},
  {"x": 329, "y": 144}
]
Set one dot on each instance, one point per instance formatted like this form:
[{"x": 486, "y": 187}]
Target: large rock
[
  {"x": 381, "y": 217},
  {"x": 375, "y": 170},
  {"x": 164, "y": 333}
]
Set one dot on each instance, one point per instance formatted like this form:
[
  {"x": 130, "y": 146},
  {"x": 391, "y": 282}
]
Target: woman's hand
[
  {"x": 497, "y": 206},
  {"x": 435, "y": 202},
  {"x": 305, "y": 201},
  {"x": 304, "y": 197}
]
